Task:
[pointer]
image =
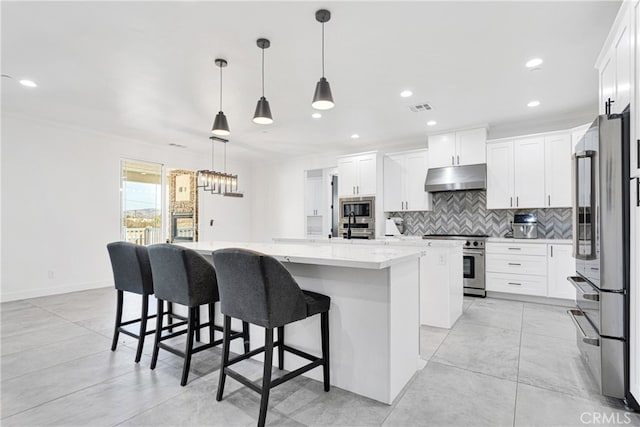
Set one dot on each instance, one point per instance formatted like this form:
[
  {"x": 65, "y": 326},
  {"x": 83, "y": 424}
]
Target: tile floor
[{"x": 503, "y": 363}]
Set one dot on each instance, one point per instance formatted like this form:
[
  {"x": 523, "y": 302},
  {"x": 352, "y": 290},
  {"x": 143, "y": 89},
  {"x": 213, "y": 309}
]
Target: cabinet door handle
[
  {"x": 458, "y": 157},
  {"x": 514, "y": 263},
  {"x": 549, "y": 199},
  {"x": 638, "y": 154},
  {"x": 452, "y": 161},
  {"x": 354, "y": 190},
  {"x": 514, "y": 283},
  {"x": 551, "y": 251},
  {"x": 517, "y": 201},
  {"x": 510, "y": 202},
  {"x": 406, "y": 205},
  {"x": 638, "y": 192},
  {"x": 357, "y": 189},
  {"x": 402, "y": 206}
]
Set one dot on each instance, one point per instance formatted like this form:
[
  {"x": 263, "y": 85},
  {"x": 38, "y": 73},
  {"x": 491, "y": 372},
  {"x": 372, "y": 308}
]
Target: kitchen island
[{"x": 374, "y": 316}]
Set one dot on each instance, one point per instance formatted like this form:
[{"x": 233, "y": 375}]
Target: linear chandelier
[{"x": 223, "y": 183}]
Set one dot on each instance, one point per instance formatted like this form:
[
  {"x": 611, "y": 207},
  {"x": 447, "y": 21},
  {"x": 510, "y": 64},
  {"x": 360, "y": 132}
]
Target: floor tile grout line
[
  {"x": 471, "y": 370},
  {"x": 515, "y": 401}
]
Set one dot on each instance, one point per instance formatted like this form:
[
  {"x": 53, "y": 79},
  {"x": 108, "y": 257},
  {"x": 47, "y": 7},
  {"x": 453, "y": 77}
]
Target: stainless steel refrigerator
[{"x": 601, "y": 247}]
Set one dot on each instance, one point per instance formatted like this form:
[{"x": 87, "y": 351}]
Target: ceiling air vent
[{"x": 420, "y": 107}]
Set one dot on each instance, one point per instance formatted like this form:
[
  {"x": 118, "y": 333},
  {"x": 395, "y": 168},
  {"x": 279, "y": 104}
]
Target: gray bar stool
[
  {"x": 132, "y": 273},
  {"x": 258, "y": 289},
  {"x": 182, "y": 276}
]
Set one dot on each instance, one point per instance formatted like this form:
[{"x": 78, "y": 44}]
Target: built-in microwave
[{"x": 358, "y": 215}]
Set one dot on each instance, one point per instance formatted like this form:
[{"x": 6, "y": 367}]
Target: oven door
[{"x": 473, "y": 268}]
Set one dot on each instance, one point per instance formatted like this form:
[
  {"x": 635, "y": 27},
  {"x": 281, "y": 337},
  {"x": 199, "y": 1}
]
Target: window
[{"x": 141, "y": 202}]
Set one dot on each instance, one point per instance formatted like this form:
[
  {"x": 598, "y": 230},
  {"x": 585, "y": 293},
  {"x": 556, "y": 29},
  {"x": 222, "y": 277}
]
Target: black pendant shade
[
  {"x": 322, "y": 98},
  {"x": 262, "y": 115},
  {"x": 220, "y": 125}
]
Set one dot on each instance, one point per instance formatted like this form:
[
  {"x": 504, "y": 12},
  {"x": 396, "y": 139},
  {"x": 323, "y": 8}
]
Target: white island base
[{"x": 373, "y": 320}]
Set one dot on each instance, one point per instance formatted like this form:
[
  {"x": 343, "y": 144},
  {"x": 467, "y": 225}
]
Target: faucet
[{"x": 351, "y": 214}]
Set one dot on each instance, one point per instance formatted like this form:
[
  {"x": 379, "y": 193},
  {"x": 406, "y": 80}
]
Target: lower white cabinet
[
  {"x": 537, "y": 269},
  {"x": 561, "y": 265}
]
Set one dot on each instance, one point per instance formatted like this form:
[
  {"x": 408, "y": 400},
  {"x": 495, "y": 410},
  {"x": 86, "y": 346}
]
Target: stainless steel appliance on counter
[
  {"x": 525, "y": 226},
  {"x": 473, "y": 261},
  {"x": 357, "y": 217},
  {"x": 601, "y": 248}
]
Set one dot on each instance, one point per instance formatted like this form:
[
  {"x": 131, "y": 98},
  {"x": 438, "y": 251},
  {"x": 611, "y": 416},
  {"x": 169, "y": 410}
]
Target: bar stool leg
[
  {"x": 156, "y": 342},
  {"x": 245, "y": 337},
  {"x": 170, "y": 315},
  {"x": 196, "y": 317},
  {"x": 226, "y": 335},
  {"x": 266, "y": 377},
  {"x": 191, "y": 321},
  {"x": 116, "y": 330},
  {"x": 324, "y": 332},
  {"x": 143, "y": 326},
  {"x": 212, "y": 316},
  {"x": 281, "y": 347}
]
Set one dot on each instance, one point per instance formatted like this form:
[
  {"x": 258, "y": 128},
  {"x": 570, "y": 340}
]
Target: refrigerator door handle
[{"x": 585, "y": 338}]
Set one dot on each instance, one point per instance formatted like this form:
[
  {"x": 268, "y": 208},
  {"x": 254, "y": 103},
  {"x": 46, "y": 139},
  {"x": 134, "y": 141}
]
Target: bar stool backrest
[
  {"x": 182, "y": 275},
  {"x": 131, "y": 267},
  {"x": 257, "y": 288}
]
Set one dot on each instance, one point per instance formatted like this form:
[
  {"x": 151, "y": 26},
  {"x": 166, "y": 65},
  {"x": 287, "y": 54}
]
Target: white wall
[
  {"x": 278, "y": 202},
  {"x": 61, "y": 203}
]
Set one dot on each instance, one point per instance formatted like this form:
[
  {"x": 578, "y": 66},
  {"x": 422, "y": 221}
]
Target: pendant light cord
[
  {"x": 212, "y": 147},
  {"x": 263, "y": 72},
  {"x": 220, "y": 88},
  {"x": 225, "y": 157},
  {"x": 323, "y": 49}
]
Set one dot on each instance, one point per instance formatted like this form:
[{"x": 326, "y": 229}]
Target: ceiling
[{"x": 145, "y": 70}]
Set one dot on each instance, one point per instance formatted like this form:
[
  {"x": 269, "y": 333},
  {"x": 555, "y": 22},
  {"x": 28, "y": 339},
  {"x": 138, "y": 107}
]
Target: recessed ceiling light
[
  {"x": 28, "y": 83},
  {"x": 432, "y": 123},
  {"x": 355, "y": 136},
  {"x": 316, "y": 115},
  {"x": 532, "y": 63},
  {"x": 533, "y": 104},
  {"x": 406, "y": 93}
]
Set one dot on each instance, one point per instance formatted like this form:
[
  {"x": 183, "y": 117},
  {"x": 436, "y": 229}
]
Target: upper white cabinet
[
  {"x": 528, "y": 155},
  {"x": 314, "y": 200},
  {"x": 500, "y": 175},
  {"x": 615, "y": 64},
  {"x": 404, "y": 175},
  {"x": 533, "y": 172},
  {"x": 357, "y": 175},
  {"x": 458, "y": 148},
  {"x": 557, "y": 171}
]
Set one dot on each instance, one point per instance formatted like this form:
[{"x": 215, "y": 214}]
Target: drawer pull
[
  {"x": 585, "y": 338},
  {"x": 514, "y": 263},
  {"x": 514, "y": 283},
  {"x": 515, "y": 249},
  {"x": 591, "y": 297}
]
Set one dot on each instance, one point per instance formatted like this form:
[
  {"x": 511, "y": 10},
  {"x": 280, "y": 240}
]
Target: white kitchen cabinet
[
  {"x": 314, "y": 194},
  {"x": 561, "y": 265},
  {"x": 615, "y": 64},
  {"x": 500, "y": 175},
  {"x": 528, "y": 155},
  {"x": 518, "y": 268},
  {"x": 404, "y": 175},
  {"x": 458, "y": 148},
  {"x": 357, "y": 175},
  {"x": 557, "y": 171}
]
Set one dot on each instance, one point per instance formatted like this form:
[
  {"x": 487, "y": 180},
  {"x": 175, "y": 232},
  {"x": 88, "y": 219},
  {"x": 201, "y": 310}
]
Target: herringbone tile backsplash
[{"x": 465, "y": 212}]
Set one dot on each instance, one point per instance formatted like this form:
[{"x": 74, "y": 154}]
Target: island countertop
[{"x": 354, "y": 256}]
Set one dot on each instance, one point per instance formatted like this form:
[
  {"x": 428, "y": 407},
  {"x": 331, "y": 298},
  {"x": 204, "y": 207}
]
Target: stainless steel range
[{"x": 472, "y": 261}]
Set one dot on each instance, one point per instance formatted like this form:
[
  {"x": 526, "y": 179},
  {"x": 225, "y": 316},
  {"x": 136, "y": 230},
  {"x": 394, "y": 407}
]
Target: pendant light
[
  {"x": 323, "y": 99},
  {"x": 220, "y": 124},
  {"x": 262, "y": 115}
]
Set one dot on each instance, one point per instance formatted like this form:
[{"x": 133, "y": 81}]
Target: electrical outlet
[
  {"x": 442, "y": 259},
  {"x": 51, "y": 274}
]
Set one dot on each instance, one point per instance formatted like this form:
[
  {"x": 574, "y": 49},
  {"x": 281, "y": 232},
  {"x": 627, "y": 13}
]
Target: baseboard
[
  {"x": 533, "y": 299},
  {"x": 43, "y": 292}
]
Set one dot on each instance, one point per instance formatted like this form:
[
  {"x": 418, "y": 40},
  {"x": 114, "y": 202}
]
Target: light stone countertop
[
  {"x": 379, "y": 241},
  {"x": 538, "y": 241},
  {"x": 355, "y": 256}
]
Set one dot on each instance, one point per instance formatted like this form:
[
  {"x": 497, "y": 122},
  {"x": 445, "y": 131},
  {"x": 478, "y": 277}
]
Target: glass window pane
[{"x": 141, "y": 190}]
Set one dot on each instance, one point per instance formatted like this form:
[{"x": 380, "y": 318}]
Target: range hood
[{"x": 454, "y": 178}]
